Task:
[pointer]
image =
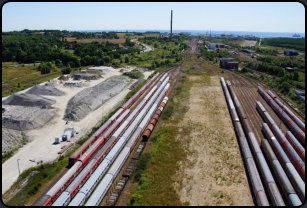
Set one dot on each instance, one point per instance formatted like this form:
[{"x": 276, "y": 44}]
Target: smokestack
[{"x": 171, "y": 23}]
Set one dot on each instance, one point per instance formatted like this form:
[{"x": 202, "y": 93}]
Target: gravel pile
[
  {"x": 73, "y": 84},
  {"x": 45, "y": 90},
  {"x": 26, "y": 99},
  {"x": 101, "y": 69},
  {"x": 12, "y": 139},
  {"x": 24, "y": 117},
  {"x": 86, "y": 76},
  {"x": 92, "y": 98}
]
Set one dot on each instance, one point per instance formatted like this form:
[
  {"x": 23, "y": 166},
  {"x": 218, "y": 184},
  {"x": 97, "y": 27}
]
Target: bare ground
[{"x": 213, "y": 173}]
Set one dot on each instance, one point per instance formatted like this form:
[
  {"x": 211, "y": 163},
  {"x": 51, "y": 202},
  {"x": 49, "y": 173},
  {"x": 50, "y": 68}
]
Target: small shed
[
  {"x": 68, "y": 133},
  {"x": 228, "y": 63}
]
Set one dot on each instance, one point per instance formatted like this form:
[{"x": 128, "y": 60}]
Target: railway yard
[
  {"x": 276, "y": 180},
  {"x": 245, "y": 146},
  {"x": 92, "y": 161}
]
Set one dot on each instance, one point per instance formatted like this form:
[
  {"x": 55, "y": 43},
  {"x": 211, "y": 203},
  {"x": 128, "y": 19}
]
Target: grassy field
[
  {"x": 155, "y": 182},
  {"x": 161, "y": 53},
  {"x": 131, "y": 35},
  {"x": 19, "y": 78},
  {"x": 8, "y": 63},
  {"x": 15, "y": 79},
  {"x": 121, "y": 40}
]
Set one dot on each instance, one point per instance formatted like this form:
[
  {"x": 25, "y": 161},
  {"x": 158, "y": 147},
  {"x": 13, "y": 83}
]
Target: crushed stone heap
[
  {"x": 92, "y": 98},
  {"x": 26, "y": 99},
  {"x": 25, "y": 117},
  {"x": 12, "y": 139},
  {"x": 45, "y": 90}
]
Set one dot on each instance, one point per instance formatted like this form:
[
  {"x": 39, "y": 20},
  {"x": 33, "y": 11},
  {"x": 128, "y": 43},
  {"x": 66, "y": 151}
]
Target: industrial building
[
  {"x": 228, "y": 63},
  {"x": 213, "y": 46}
]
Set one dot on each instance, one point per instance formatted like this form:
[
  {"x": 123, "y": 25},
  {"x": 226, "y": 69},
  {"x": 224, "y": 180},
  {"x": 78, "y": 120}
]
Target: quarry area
[{"x": 33, "y": 118}]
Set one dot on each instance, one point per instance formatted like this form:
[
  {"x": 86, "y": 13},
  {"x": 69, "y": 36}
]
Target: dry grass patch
[{"x": 213, "y": 173}]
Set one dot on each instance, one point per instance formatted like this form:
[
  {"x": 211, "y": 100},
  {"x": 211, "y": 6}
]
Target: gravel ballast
[
  {"x": 26, "y": 99},
  {"x": 24, "y": 117},
  {"x": 11, "y": 139},
  {"x": 92, "y": 98}
]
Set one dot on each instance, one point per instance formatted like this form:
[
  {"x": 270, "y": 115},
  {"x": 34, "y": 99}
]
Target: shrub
[{"x": 134, "y": 74}]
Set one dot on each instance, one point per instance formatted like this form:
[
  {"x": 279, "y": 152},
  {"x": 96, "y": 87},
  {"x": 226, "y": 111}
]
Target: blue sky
[{"x": 238, "y": 16}]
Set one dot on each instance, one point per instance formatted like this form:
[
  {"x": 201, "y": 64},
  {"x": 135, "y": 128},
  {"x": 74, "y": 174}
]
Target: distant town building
[
  {"x": 249, "y": 51},
  {"x": 228, "y": 63},
  {"x": 290, "y": 52}
]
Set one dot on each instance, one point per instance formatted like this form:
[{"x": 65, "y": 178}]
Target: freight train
[
  {"x": 265, "y": 171},
  {"x": 86, "y": 190},
  {"x": 81, "y": 157}
]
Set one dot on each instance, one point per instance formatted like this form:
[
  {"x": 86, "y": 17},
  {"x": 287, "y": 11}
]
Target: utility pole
[
  {"x": 171, "y": 23},
  {"x": 23, "y": 202}
]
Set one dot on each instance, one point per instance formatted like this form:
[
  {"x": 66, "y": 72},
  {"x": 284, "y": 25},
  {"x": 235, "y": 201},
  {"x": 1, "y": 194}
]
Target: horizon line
[{"x": 153, "y": 30}]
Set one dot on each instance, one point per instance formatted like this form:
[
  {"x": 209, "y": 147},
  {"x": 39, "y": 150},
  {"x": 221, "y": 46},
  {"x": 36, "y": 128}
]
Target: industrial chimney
[{"x": 171, "y": 23}]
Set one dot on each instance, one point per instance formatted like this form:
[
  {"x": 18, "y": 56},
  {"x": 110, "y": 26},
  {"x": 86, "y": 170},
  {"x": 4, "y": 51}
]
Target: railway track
[
  {"x": 248, "y": 96},
  {"x": 175, "y": 74},
  {"x": 143, "y": 118},
  {"x": 246, "y": 90},
  {"x": 88, "y": 171}
]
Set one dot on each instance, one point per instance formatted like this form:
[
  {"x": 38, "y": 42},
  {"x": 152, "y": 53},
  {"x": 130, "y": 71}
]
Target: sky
[{"x": 217, "y": 16}]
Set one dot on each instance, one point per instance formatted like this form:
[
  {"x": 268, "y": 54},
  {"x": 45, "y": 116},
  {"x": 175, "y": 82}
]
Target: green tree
[
  {"x": 295, "y": 76},
  {"x": 66, "y": 70},
  {"x": 126, "y": 59},
  {"x": 44, "y": 68}
]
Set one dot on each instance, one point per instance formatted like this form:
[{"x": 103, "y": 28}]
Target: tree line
[
  {"x": 31, "y": 46},
  {"x": 295, "y": 43}
]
